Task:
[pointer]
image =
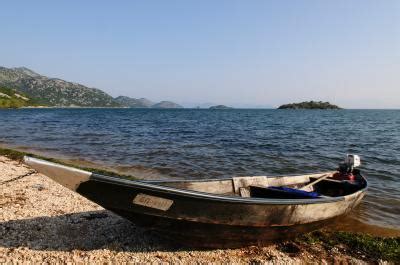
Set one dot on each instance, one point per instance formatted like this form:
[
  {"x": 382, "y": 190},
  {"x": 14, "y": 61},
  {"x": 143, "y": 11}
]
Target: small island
[
  {"x": 309, "y": 105},
  {"x": 220, "y": 107}
]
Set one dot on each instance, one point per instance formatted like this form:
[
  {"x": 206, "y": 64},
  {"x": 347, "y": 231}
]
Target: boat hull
[
  {"x": 208, "y": 235},
  {"x": 204, "y": 222},
  {"x": 199, "y": 218}
]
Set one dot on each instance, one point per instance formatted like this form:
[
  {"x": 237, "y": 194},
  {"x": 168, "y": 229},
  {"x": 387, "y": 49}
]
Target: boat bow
[{"x": 69, "y": 177}]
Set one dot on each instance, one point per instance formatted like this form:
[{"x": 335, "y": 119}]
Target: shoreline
[
  {"x": 347, "y": 223},
  {"x": 42, "y": 221}
]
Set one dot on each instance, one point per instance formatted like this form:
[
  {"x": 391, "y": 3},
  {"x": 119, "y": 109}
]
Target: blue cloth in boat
[{"x": 301, "y": 193}]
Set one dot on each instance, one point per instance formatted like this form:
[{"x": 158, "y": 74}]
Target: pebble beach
[{"x": 41, "y": 221}]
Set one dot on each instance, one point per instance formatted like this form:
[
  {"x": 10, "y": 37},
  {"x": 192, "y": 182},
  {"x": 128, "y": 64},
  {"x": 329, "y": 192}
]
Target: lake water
[{"x": 195, "y": 143}]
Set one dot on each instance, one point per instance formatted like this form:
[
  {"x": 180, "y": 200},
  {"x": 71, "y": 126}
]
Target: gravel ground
[{"x": 41, "y": 221}]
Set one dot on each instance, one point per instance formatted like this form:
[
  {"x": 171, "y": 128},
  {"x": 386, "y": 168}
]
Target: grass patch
[
  {"x": 12, "y": 154},
  {"x": 374, "y": 247},
  {"x": 19, "y": 156},
  {"x": 11, "y": 98}
]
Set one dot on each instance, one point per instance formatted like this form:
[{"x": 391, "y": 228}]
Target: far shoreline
[{"x": 196, "y": 108}]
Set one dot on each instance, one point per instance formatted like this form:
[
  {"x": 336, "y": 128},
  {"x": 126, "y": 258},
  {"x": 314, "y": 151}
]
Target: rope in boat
[{"x": 19, "y": 177}]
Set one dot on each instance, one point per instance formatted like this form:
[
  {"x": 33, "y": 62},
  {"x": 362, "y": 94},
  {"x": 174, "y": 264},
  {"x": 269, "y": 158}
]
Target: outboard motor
[{"x": 346, "y": 170}]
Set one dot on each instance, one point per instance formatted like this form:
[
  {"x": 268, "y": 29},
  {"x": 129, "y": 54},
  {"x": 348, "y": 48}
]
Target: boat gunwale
[
  {"x": 221, "y": 198},
  {"x": 195, "y": 194},
  {"x": 229, "y": 178}
]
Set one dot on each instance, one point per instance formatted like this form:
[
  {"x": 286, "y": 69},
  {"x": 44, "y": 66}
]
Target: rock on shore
[{"x": 41, "y": 221}]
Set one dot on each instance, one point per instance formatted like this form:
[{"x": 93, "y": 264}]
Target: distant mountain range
[
  {"x": 133, "y": 102},
  {"x": 53, "y": 91},
  {"x": 145, "y": 103},
  {"x": 56, "y": 92},
  {"x": 166, "y": 105}
]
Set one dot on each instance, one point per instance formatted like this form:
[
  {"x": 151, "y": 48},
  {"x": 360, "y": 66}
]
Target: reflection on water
[{"x": 149, "y": 143}]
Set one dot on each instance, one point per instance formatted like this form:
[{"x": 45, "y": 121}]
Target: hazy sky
[{"x": 229, "y": 52}]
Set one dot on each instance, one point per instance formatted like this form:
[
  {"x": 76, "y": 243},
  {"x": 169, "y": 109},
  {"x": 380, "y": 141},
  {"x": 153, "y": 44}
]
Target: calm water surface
[{"x": 186, "y": 143}]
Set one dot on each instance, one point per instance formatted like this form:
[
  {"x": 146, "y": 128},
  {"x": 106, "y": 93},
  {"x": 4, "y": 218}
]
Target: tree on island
[
  {"x": 220, "y": 107},
  {"x": 309, "y": 105}
]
